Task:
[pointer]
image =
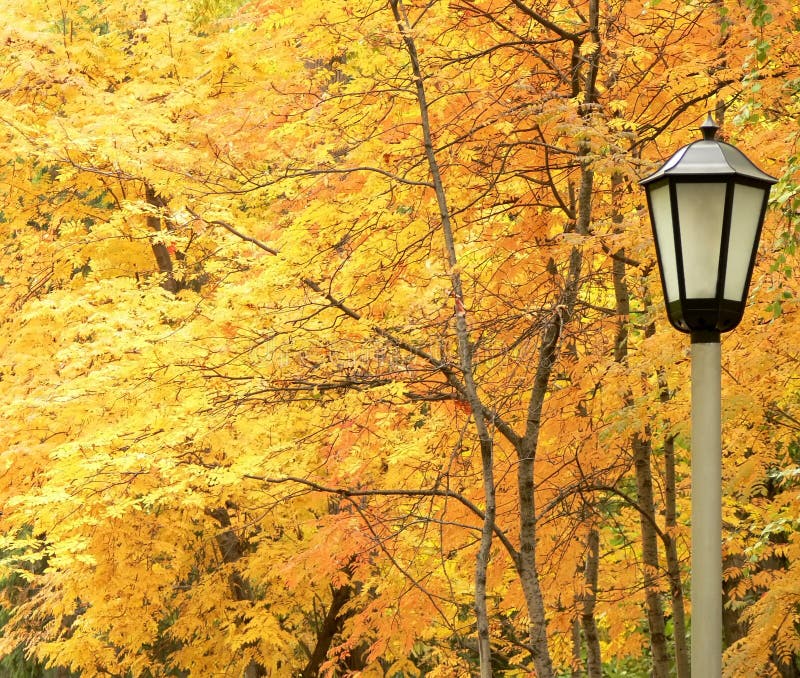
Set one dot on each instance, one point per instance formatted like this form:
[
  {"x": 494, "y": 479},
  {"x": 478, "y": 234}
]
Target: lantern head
[{"x": 707, "y": 205}]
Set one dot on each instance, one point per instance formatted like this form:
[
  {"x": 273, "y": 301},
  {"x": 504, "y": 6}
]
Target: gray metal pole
[{"x": 706, "y": 506}]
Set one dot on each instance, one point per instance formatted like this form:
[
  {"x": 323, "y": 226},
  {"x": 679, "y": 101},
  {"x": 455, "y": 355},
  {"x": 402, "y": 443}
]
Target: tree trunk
[
  {"x": 232, "y": 549},
  {"x": 527, "y": 448},
  {"x": 642, "y": 447},
  {"x": 465, "y": 350},
  {"x": 577, "y": 654},
  {"x": 732, "y": 627},
  {"x": 529, "y": 574},
  {"x": 682, "y": 663},
  {"x": 654, "y": 608},
  {"x": 160, "y": 250},
  {"x": 528, "y": 570},
  {"x": 331, "y": 625},
  {"x": 594, "y": 661}
]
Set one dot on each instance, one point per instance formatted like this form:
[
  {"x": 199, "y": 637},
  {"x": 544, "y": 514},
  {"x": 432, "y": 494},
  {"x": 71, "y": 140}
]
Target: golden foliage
[{"x": 237, "y": 428}]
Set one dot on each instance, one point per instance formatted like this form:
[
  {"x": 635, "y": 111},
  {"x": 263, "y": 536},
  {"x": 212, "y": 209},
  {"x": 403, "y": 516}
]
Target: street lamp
[{"x": 707, "y": 206}]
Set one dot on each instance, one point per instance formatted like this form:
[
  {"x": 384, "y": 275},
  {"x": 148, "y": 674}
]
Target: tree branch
[{"x": 432, "y": 492}]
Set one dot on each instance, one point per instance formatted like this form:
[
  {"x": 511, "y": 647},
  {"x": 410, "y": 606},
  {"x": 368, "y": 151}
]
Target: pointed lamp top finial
[{"x": 709, "y": 129}]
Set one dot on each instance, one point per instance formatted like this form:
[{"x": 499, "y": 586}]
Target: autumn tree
[{"x": 331, "y": 337}]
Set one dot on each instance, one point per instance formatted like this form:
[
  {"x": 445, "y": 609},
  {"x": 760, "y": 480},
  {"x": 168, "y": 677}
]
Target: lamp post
[{"x": 707, "y": 206}]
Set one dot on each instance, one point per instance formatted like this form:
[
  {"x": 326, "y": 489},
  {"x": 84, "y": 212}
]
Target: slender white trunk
[{"x": 464, "y": 347}]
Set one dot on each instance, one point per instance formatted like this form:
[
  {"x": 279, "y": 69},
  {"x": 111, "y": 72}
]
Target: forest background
[{"x": 331, "y": 338}]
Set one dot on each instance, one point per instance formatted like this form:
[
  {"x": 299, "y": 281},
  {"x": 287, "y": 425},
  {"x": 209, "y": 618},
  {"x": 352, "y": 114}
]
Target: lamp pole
[
  {"x": 706, "y": 505},
  {"x": 707, "y": 205}
]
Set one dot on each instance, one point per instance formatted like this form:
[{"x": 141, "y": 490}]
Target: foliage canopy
[{"x": 331, "y": 337}]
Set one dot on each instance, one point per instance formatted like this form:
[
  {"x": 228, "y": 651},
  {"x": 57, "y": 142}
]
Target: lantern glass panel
[
  {"x": 662, "y": 218},
  {"x": 701, "y": 208},
  {"x": 747, "y": 204}
]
